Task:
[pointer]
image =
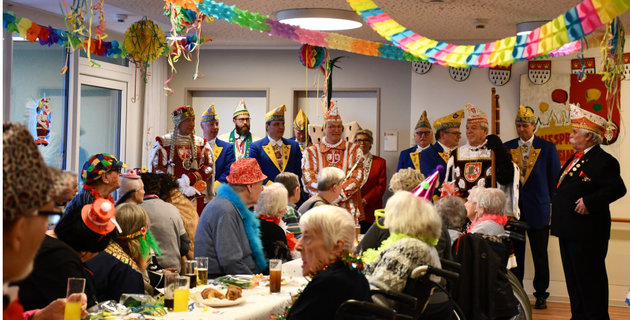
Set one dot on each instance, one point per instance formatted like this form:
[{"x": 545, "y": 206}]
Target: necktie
[
  {"x": 524, "y": 158},
  {"x": 278, "y": 151},
  {"x": 566, "y": 170}
]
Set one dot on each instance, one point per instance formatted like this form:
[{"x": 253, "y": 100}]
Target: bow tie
[
  {"x": 276, "y": 143},
  {"x": 525, "y": 144}
]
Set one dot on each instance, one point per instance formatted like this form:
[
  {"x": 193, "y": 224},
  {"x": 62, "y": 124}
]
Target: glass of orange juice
[
  {"x": 181, "y": 293},
  {"x": 75, "y": 288}
]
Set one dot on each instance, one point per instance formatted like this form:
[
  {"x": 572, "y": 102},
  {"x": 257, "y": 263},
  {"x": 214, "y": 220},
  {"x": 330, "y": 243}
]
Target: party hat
[{"x": 427, "y": 187}]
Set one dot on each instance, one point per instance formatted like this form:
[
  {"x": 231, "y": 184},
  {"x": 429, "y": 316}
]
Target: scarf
[
  {"x": 250, "y": 222},
  {"x": 275, "y": 220},
  {"x": 95, "y": 193},
  {"x": 502, "y": 220},
  {"x": 370, "y": 254}
]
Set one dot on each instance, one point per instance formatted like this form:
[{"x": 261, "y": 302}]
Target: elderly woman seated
[
  {"x": 327, "y": 238},
  {"x": 415, "y": 229},
  {"x": 452, "y": 209},
  {"x": 271, "y": 206},
  {"x": 485, "y": 207}
]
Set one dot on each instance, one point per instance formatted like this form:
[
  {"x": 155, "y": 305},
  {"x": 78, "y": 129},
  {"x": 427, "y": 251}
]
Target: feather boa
[
  {"x": 250, "y": 222},
  {"x": 370, "y": 254}
]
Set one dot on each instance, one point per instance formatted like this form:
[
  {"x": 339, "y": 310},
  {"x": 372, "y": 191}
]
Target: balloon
[
  {"x": 312, "y": 56},
  {"x": 559, "y": 96},
  {"x": 593, "y": 94},
  {"x": 543, "y": 106},
  {"x": 597, "y": 107}
]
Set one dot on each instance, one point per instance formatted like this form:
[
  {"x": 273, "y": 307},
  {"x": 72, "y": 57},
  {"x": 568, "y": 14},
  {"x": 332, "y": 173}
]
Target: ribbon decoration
[{"x": 573, "y": 25}]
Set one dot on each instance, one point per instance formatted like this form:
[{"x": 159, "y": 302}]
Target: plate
[{"x": 214, "y": 302}]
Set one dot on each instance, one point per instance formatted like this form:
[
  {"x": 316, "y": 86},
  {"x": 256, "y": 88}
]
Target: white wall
[
  {"x": 439, "y": 94},
  {"x": 280, "y": 72}
]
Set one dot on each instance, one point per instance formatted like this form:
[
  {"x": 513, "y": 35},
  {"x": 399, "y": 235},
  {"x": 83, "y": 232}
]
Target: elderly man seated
[
  {"x": 228, "y": 232},
  {"x": 329, "y": 188}
]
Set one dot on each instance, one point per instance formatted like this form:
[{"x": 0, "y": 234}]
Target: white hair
[
  {"x": 328, "y": 177},
  {"x": 405, "y": 179},
  {"x": 595, "y": 138},
  {"x": 492, "y": 200},
  {"x": 129, "y": 184},
  {"x": 273, "y": 200},
  {"x": 333, "y": 222},
  {"x": 452, "y": 210},
  {"x": 473, "y": 194},
  {"x": 408, "y": 214}
]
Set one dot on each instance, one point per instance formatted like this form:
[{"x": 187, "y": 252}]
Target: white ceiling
[{"x": 446, "y": 20}]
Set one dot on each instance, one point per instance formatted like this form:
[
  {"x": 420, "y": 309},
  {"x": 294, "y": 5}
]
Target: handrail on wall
[{"x": 614, "y": 219}]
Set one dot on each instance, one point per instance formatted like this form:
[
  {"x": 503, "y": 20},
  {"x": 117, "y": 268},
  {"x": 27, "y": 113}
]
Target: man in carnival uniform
[
  {"x": 185, "y": 156},
  {"x": 100, "y": 177},
  {"x": 588, "y": 183},
  {"x": 300, "y": 131},
  {"x": 410, "y": 158},
  {"x": 447, "y": 134},
  {"x": 241, "y": 137},
  {"x": 539, "y": 165},
  {"x": 274, "y": 153},
  {"x": 471, "y": 164},
  {"x": 333, "y": 151},
  {"x": 223, "y": 153}
]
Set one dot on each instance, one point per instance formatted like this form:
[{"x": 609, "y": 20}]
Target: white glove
[{"x": 186, "y": 188}]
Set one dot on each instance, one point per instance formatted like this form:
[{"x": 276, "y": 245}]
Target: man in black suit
[{"x": 589, "y": 182}]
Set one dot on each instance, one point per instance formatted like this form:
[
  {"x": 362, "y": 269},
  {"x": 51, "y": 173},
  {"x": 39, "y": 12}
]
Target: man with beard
[
  {"x": 185, "y": 156},
  {"x": 222, "y": 151},
  {"x": 241, "y": 138}
]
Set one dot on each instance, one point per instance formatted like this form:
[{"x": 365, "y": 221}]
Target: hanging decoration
[
  {"x": 312, "y": 57},
  {"x": 539, "y": 71},
  {"x": 499, "y": 76},
  {"x": 573, "y": 25},
  {"x": 582, "y": 66},
  {"x": 144, "y": 42},
  {"x": 459, "y": 74},
  {"x": 186, "y": 23},
  {"x": 613, "y": 71},
  {"x": 42, "y": 125}
]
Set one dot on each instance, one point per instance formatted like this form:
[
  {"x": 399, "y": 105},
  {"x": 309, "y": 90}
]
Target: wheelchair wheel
[
  {"x": 524, "y": 306},
  {"x": 458, "y": 314}
]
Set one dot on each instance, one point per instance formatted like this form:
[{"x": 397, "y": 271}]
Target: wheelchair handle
[
  {"x": 398, "y": 296},
  {"x": 421, "y": 271}
]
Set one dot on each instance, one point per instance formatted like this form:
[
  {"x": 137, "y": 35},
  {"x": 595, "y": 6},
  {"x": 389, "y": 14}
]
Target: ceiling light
[
  {"x": 524, "y": 28},
  {"x": 320, "y": 19}
]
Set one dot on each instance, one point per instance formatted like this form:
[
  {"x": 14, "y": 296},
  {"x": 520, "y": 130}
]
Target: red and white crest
[
  {"x": 472, "y": 171},
  {"x": 459, "y": 74},
  {"x": 626, "y": 66},
  {"x": 184, "y": 152},
  {"x": 589, "y": 66},
  {"x": 539, "y": 72},
  {"x": 333, "y": 157},
  {"x": 499, "y": 76}
]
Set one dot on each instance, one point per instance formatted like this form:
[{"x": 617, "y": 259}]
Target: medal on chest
[
  {"x": 472, "y": 171},
  {"x": 185, "y": 154}
]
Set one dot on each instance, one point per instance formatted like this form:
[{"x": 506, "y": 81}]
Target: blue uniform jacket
[
  {"x": 431, "y": 158},
  {"x": 223, "y": 159},
  {"x": 409, "y": 158},
  {"x": 539, "y": 181},
  {"x": 262, "y": 151}
]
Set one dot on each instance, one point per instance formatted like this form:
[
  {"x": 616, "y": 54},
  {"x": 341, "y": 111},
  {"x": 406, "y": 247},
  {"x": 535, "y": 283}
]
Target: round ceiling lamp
[{"x": 320, "y": 19}]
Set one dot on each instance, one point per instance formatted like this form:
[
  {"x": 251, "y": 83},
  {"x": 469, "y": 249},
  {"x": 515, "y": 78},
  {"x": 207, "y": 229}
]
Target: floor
[{"x": 562, "y": 311}]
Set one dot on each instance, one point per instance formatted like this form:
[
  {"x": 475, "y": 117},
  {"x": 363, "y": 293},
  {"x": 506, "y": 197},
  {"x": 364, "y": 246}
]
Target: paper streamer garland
[{"x": 573, "y": 25}]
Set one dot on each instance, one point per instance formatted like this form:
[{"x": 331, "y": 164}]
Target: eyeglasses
[
  {"x": 423, "y": 133},
  {"x": 243, "y": 119},
  {"x": 361, "y": 140}
]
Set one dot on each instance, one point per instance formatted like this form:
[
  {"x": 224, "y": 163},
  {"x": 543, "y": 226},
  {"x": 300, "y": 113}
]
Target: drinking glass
[
  {"x": 275, "y": 275},
  {"x": 169, "y": 289},
  {"x": 73, "y": 300},
  {"x": 191, "y": 272},
  {"x": 181, "y": 293},
  {"x": 202, "y": 270}
]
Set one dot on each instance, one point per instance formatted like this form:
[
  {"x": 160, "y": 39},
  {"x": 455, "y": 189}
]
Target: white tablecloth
[{"x": 258, "y": 304}]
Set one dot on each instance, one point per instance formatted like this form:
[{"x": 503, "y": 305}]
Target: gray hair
[
  {"x": 595, "y": 138},
  {"x": 273, "y": 200},
  {"x": 328, "y": 177},
  {"x": 333, "y": 222},
  {"x": 473, "y": 194},
  {"x": 405, "y": 179},
  {"x": 452, "y": 210},
  {"x": 408, "y": 214},
  {"x": 365, "y": 132},
  {"x": 129, "y": 184},
  {"x": 492, "y": 200}
]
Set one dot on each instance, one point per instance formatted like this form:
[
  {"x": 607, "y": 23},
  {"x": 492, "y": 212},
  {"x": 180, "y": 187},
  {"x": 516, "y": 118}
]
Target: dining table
[{"x": 257, "y": 302}]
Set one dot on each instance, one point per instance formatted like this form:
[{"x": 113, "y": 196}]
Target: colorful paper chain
[{"x": 573, "y": 25}]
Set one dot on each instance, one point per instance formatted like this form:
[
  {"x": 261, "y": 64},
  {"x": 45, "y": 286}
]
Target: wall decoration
[
  {"x": 591, "y": 94},
  {"x": 42, "y": 125},
  {"x": 499, "y": 76},
  {"x": 459, "y": 74},
  {"x": 312, "y": 57},
  {"x": 583, "y": 66},
  {"x": 550, "y": 104},
  {"x": 626, "y": 66},
  {"x": 421, "y": 67},
  {"x": 539, "y": 72}
]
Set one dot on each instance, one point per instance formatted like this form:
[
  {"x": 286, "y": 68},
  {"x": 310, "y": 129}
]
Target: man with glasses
[
  {"x": 186, "y": 157},
  {"x": 274, "y": 153},
  {"x": 100, "y": 177},
  {"x": 410, "y": 158},
  {"x": 447, "y": 134},
  {"x": 539, "y": 165},
  {"x": 241, "y": 137},
  {"x": 222, "y": 151}
]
